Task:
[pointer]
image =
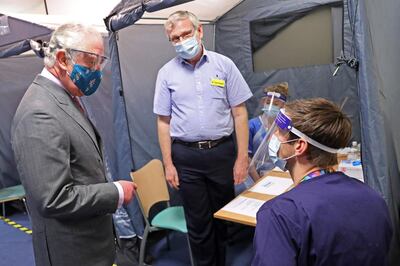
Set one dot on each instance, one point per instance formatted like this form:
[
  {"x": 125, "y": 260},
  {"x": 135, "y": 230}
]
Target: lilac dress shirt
[{"x": 200, "y": 109}]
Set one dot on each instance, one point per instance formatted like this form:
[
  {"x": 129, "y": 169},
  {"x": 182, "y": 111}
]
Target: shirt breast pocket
[
  {"x": 217, "y": 92},
  {"x": 218, "y": 86},
  {"x": 218, "y": 99}
]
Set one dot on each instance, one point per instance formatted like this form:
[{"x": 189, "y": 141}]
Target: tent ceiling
[
  {"x": 93, "y": 11},
  {"x": 59, "y": 12},
  {"x": 91, "y": 8},
  {"x": 206, "y": 10}
]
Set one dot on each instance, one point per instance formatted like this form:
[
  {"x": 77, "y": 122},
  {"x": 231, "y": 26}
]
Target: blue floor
[
  {"x": 16, "y": 246},
  {"x": 239, "y": 250}
]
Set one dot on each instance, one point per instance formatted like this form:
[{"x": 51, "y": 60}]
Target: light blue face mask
[
  {"x": 188, "y": 48},
  {"x": 273, "y": 112},
  {"x": 85, "y": 79},
  {"x": 273, "y": 149}
]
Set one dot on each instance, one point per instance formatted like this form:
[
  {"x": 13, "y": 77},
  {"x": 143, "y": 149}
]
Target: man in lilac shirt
[{"x": 200, "y": 100}]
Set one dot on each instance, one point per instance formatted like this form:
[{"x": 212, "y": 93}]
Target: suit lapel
[
  {"x": 65, "y": 102},
  {"x": 98, "y": 138}
]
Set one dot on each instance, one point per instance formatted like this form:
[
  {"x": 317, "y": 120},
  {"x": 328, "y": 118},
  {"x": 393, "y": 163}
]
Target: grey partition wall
[
  {"x": 15, "y": 34},
  {"x": 238, "y": 26},
  {"x": 380, "y": 80},
  {"x": 16, "y": 75}
]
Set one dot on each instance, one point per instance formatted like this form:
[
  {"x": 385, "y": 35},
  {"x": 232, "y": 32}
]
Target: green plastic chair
[
  {"x": 10, "y": 194},
  {"x": 152, "y": 189}
]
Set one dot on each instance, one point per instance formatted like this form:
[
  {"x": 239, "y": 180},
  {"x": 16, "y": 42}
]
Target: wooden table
[{"x": 244, "y": 219}]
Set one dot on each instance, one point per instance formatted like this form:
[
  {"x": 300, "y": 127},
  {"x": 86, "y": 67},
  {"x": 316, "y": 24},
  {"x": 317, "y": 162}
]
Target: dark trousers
[{"x": 206, "y": 185}]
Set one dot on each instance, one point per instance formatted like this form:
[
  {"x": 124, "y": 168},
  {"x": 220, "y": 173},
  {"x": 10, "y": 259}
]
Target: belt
[{"x": 204, "y": 144}]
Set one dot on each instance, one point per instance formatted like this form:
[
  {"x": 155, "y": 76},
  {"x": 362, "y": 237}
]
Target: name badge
[{"x": 218, "y": 83}]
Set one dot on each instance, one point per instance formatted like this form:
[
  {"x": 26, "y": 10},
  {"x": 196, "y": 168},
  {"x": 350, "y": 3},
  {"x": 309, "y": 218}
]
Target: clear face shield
[
  {"x": 271, "y": 107},
  {"x": 267, "y": 157},
  {"x": 86, "y": 71},
  {"x": 272, "y": 103}
]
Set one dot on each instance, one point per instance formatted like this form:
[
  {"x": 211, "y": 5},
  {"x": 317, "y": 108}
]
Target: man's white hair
[
  {"x": 178, "y": 16},
  {"x": 73, "y": 36}
]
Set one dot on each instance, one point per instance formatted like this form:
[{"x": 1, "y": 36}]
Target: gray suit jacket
[{"x": 59, "y": 161}]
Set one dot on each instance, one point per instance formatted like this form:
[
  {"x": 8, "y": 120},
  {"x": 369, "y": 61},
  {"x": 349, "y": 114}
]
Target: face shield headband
[
  {"x": 266, "y": 158},
  {"x": 272, "y": 96},
  {"x": 276, "y": 95},
  {"x": 284, "y": 124}
]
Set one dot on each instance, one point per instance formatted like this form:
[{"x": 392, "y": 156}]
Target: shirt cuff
[
  {"x": 120, "y": 193},
  {"x": 241, "y": 99},
  {"x": 160, "y": 111}
]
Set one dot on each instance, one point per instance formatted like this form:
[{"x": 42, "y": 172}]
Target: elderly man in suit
[{"x": 59, "y": 156}]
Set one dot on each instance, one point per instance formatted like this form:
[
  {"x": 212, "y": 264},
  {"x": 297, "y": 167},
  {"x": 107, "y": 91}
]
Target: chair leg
[
  {"x": 26, "y": 208},
  {"x": 190, "y": 251},
  {"x": 143, "y": 245},
  {"x": 168, "y": 243}
]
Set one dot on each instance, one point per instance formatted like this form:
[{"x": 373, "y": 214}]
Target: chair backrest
[{"x": 151, "y": 185}]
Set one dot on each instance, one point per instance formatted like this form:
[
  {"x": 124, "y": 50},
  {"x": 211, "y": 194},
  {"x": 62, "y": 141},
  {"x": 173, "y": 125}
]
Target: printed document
[
  {"x": 243, "y": 205},
  {"x": 272, "y": 185}
]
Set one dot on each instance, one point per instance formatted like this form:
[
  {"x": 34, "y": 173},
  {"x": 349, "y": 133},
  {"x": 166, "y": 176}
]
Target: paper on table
[
  {"x": 277, "y": 169},
  {"x": 243, "y": 205},
  {"x": 272, "y": 185}
]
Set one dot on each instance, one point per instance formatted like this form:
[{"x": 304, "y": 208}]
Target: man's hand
[
  {"x": 253, "y": 171},
  {"x": 172, "y": 176},
  {"x": 239, "y": 113},
  {"x": 129, "y": 190},
  {"x": 240, "y": 170}
]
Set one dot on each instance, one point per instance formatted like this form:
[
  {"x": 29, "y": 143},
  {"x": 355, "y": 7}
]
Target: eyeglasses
[
  {"x": 92, "y": 60},
  {"x": 184, "y": 36}
]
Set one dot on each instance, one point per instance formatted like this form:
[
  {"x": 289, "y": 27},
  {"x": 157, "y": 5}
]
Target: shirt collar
[
  {"x": 205, "y": 55},
  {"x": 46, "y": 73}
]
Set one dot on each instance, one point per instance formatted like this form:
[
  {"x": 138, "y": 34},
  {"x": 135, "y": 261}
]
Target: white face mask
[{"x": 273, "y": 149}]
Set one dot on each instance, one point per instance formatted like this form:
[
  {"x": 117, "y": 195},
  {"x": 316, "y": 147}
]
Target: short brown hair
[
  {"x": 282, "y": 88},
  {"x": 323, "y": 121}
]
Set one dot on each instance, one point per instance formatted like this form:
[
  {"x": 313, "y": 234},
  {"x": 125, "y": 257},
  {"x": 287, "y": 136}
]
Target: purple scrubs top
[{"x": 328, "y": 220}]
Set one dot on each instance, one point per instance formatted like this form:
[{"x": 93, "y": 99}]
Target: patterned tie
[{"x": 78, "y": 104}]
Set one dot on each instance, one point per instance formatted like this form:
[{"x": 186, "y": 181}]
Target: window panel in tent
[{"x": 296, "y": 40}]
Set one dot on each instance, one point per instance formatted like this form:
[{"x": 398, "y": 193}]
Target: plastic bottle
[{"x": 354, "y": 153}]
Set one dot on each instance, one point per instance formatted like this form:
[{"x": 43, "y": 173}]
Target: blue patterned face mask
[
  {"x": 85, "y": 79},
  {"x": 188, "y": 48}
]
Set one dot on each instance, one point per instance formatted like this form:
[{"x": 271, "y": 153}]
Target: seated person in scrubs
[
  {"x": 328, "y": 218},
  {"x": 274, "y": 99}
]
